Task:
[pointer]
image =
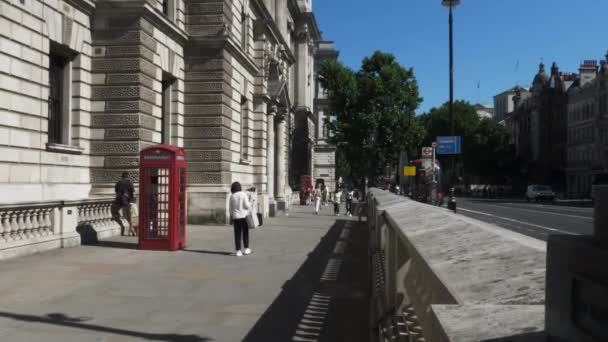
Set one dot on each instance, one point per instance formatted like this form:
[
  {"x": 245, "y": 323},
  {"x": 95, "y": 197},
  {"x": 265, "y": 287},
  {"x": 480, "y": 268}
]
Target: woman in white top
[{"x": 239, "y": 209}]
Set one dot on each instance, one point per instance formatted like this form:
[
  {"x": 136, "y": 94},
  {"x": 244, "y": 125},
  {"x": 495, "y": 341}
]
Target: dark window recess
[
  {"x": 166, "y": 7},
  {"x": 164, "y": 110},
  {"x": 244, "y": 127},
  {"x": 56, "y": 66}
]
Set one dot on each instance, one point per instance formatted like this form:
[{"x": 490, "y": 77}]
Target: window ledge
[
  {"x": 60, "y": 148},
  {"x": 245, "y": 161}
]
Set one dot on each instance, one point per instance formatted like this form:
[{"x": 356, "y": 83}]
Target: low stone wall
[
  {"x": 30, "y": 228},
  {"x": 466, "y": 280}
]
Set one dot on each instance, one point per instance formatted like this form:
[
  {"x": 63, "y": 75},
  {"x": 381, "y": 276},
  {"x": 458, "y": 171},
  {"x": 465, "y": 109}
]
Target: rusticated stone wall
[
  {"x": 130, "y": 57},
  {"x": 207, "y": 135}
]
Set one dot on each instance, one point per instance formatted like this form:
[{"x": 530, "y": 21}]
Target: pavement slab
[{"x": 111, "y": 291}]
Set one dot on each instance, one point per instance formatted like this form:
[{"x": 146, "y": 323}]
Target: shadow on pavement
[
  {"x": 113, "y": 244},
  {"x": 77, "y": 323},
  {"x": 343, "y": 317},
  {"x": 207, "y": 252},
  {"x": 526, "y": 337}
]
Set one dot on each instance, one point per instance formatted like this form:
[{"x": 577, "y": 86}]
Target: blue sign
[{"x": 449, "y": 145}]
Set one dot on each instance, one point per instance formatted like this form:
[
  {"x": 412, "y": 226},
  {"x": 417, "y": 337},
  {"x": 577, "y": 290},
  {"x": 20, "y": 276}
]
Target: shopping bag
[{"x": 251, "y": 221}]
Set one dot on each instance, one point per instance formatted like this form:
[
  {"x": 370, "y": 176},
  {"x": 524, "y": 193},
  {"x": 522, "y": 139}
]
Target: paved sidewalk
[{"x": 307, "y": 280}]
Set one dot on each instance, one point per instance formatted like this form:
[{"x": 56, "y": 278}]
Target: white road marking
[
  {"x": 540, "y": 211},
  {"x": 517, "y": 221}
]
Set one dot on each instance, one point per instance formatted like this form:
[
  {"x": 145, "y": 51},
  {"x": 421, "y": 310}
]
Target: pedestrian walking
[
  {"x": 124, "y": 197},
  {"x": 349, "y": 202},
  {"x": 252, "y": 218},
  {"x": 323, "y": 195},
  {"x": 336, "y": 199},
  {"x": 316, "y": 194},
  {"x": 239, "y": 209}
]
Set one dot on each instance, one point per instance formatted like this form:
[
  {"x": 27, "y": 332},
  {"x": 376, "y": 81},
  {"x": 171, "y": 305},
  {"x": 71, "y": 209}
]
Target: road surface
[{"x": 537, "y": 220}]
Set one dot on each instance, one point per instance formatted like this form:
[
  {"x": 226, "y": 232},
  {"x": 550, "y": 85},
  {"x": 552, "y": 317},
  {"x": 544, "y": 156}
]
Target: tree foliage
[
  {"x": 375, "y": 111},
  {"x": 486, "y": 152}
]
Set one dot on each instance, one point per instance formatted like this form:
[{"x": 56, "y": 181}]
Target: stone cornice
[
  {"x": 301, "y": 17},
  {"x": 86, "y": 6},
  {"x": 144, "y": 10}
]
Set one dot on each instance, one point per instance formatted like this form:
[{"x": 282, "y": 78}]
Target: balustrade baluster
[
  {"x": 47, "y": 221},
  {"x": 80, "y": 219},
  {"x": 92, "y": 217},
  {"x": 4, "y": 226},
  {"x": 98, "y": 215},
  {"x": 41, "y": 222},
  {"x": 89, "y": 214},
  {"x": 27, "y": 223},
  {"x": 104, "y": 215},
  {"x": 12, "y": 224},
  {"x": 84, "y": 214},
  {"x": 34, "y": 222},
  {"x": 21, "y": 224}
]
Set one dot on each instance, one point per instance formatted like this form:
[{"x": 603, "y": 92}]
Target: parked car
[{"x": 539, "y": 192}]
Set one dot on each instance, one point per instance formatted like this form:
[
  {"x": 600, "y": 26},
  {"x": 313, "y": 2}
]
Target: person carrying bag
[{"x": 252, "y": 218}]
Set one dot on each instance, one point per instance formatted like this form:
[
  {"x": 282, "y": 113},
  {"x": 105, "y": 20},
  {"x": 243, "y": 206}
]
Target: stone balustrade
[
  {"x": 97, "y": 221},
  {"x": 30, "y": 228},
  {"x": 22, "y": 223},
  {"x": 441, "y": 277}
]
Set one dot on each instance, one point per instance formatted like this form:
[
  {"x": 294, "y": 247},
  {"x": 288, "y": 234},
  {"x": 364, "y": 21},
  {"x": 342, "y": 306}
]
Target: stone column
[
  {"x": 281, "y": 167},
  {"x": 302, "y": 88},
  {"x": 270, "y": 160}
]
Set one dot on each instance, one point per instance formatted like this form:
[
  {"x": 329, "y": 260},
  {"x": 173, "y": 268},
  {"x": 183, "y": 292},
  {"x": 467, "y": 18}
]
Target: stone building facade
[
  {"x": 538, "y": 126},
  {"x": 325, "y": 152},
  {"x": 87, "y": 84},
  {"x": 503, "y": 102},
  {"x": 587, "y": 128}
]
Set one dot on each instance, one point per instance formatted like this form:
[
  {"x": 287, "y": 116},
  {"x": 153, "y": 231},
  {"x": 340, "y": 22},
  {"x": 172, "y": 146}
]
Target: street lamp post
[{"x": 450, "y": 4}]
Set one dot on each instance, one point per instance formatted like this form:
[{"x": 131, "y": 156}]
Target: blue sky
[{"x": 490, "y": 36}]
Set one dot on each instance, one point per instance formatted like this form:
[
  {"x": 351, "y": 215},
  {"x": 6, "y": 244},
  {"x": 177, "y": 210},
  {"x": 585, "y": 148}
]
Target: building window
[
  {"x": 169, "y": 9},
  {"x": 61, "y": 60},
  {"x": 244, "y": 27},
  {"x": 168, "y": 83},
  {"x": 57, "y": 65},
  {"x": 244, "y": 127}
]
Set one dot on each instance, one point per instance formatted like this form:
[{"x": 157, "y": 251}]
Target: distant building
[
  {"x": 587, "y": 153},
  {"x": 484, "y": 111},
  {"x": 503, "y": 102},
  {"x": 325, "y": 152},
  {"x": 537, "y": 125}
]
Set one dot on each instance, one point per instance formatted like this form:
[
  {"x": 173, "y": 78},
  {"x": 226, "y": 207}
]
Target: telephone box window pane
[{"x": 157, "y": 208}]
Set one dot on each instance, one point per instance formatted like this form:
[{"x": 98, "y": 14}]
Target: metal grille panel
[{"x": 157, "y": 203}]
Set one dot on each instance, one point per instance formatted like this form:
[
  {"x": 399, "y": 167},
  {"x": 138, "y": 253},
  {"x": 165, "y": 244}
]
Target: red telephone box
[{"x": 162, "y": 198}]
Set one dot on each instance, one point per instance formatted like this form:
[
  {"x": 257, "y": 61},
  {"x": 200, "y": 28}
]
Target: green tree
[
  {"x": 486, "y": 152},
  {"x": 375, "y": 112}
]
